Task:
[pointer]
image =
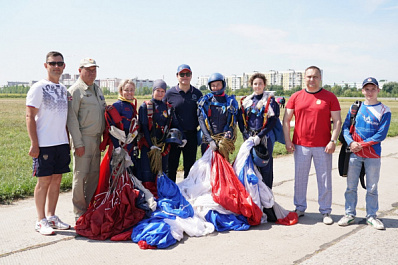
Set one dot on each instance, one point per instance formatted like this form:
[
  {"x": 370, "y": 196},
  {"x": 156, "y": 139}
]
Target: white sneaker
[
  {"x": 327, "y": 219},
  {"x": 376, "y": 223},
  {"x": 56, "y": 223},
  {"x": 346, "y": 220},
  {"x": 44, "y": 228}
]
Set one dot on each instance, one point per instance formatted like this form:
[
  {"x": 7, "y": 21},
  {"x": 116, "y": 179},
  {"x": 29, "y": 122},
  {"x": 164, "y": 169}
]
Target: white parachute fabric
[
  {"x": 193, "y": 226},
  {"x": 251, "y": 178},
  {"x": 280, "y": 212},
  {"x": 197, "y": 189}
]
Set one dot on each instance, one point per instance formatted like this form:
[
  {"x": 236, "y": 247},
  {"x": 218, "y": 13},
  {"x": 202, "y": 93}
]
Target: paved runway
[{"x": 308, "y": 242}]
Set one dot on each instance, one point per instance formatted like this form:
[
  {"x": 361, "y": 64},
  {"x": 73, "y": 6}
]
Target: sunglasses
[
  {"x": 56, "y": 63},
  {"x": 185, "y": 74}
]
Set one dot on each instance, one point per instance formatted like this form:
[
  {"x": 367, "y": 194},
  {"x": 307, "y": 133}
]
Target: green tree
[{"x": 203, "y": 88}]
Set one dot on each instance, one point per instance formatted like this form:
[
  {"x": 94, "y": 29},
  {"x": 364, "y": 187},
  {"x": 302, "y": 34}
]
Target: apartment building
[{"x": 287, "y": 79}]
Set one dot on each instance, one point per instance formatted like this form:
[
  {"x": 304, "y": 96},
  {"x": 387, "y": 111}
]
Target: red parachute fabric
[
  {"x": 144, "y": 245},
  {"x": 290, "y": 219},
  {"x": 105, "y": 172},
  {"x": 125, "y": 236},
  {"x": 230, "y": 193},
  {"x": 112, "y": 212}
]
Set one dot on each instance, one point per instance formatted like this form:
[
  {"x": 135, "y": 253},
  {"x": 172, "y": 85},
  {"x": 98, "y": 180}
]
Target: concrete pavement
[{"x": 308, "y": 242}]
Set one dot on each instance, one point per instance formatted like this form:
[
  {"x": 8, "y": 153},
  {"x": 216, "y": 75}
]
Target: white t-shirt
[{"x": 51, "y": 100}]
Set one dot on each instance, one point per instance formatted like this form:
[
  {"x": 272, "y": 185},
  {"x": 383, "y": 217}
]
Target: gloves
[
  {"x": 256, "y": 140},
  {"x": 213, "y": 146},
  {"x": 155, "y": 147},
  {"x": 184, "y": 142},
  {"x": 228, "y": 135}
]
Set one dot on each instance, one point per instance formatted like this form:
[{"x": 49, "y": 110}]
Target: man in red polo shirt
[{"x": 313, "y": 109}]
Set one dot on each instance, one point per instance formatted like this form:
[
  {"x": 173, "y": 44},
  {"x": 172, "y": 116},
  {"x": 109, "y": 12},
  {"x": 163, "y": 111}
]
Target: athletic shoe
[
  {"x": 376, "y": 223},
  {"x": 299, "y": 213},
  {"x": 327, "y": 219},
  {"x": 44, "y": 228},
  {"x": 346, "y": 220},
  {"x": 56, "y": 223}
]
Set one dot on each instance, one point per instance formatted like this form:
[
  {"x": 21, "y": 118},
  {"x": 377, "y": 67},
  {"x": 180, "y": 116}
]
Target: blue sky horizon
[{"x": 350, "y": 40}]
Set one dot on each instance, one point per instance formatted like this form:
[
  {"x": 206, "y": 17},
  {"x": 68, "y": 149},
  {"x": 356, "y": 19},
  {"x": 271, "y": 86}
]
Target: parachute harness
[
  {"x": 155, "y": 155},
  {"x": 260, "y": 109},
  {"x": 224, "y": 140}
]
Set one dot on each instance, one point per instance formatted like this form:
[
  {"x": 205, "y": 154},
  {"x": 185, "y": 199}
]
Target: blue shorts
[{"x": 52, "y": 160}]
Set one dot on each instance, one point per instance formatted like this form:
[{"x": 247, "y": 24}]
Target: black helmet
[
  {"x": 260, "y": 155},
  {"x": 174, "y": 137}
]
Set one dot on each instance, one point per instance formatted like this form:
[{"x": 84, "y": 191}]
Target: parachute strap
[
  {"x": 149, "y": 111},
  {"x": 232, "y": 107},
  {"x": 265, "y": 117},
  {"x": 204, "y": 107},
  {"x": 354, "y": 111},
  {"x": 244, "y": 116}
]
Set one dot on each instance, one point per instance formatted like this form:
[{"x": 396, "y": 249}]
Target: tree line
[{"x": 390, "y": 89}]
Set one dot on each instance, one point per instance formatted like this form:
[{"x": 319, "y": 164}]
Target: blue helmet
[
  {"x": 217, "y": 77},
  {"x": 260, "y": 155}
]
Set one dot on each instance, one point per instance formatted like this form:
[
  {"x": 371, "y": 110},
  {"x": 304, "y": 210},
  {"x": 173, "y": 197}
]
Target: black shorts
[{"x": 52, "y": 160}]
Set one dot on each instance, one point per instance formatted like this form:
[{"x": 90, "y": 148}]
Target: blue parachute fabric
[
  {"x": 154, "y": 231},
  {"x": 171, "y": 200},
  {"x": 226, "y": 222},
  {"x": 248, "y": 171}
]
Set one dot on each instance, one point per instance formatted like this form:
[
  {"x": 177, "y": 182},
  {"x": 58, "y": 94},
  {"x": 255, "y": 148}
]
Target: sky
[{"x": 349, "y": 39}]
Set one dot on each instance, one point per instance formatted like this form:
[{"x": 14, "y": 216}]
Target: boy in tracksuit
[{"x": 371, "y": 126}]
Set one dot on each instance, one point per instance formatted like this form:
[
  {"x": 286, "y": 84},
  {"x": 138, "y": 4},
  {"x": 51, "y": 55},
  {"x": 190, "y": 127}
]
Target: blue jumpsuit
[
  {"x": 160, "y": 122},
  {"x": 255, "y": 123},
  {"x": 219, "y": 111}
]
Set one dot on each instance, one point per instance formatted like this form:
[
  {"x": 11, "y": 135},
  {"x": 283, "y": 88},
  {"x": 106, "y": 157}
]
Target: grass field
[{"x": 16, "y": 180}]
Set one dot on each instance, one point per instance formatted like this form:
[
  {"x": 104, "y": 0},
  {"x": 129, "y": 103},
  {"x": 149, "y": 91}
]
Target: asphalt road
[{"x": 308, "y": 242}]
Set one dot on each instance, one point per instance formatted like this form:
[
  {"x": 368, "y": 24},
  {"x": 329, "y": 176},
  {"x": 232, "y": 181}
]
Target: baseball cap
[
  {"x": 370, "y": 80},
  {"x": 183, "y": 67},
  {"x": 88, "y": 62}
]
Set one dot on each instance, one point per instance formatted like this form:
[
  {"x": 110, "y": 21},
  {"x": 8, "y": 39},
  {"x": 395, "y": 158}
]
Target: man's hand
[
  {"x": 34, "y": 151},
  {"x": 355, "y": 147},
  {"x": 289, "y": 147},
  {"x": 329, "y": 149},
  {"x": 80, "y": 151},
  {"x": 184, "y": 142}
]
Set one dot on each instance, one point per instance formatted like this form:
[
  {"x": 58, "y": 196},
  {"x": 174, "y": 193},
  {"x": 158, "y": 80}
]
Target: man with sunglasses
[
  {"x": 86, "y": 123},
  {"x": 46, "y": 115},
  {"x": 184, "y": 98}
]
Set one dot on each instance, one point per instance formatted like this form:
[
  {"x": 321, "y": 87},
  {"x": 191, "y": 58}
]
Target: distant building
[
  {"x": 17, "y": 83},
  {"x": 110, "y": 83},
  {"x": 287, "y": 79},
  {"x": 234, "y": 82},
  {"x": 140, "y": 83},
  {"x": 202, "y": 81}
]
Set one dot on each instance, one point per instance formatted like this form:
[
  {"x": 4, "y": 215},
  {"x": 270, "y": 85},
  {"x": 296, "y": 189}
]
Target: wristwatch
[{"x": 333, "y": 141}]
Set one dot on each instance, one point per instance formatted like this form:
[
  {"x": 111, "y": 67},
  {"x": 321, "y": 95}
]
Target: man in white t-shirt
[{"x": 46, "y": 115}]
